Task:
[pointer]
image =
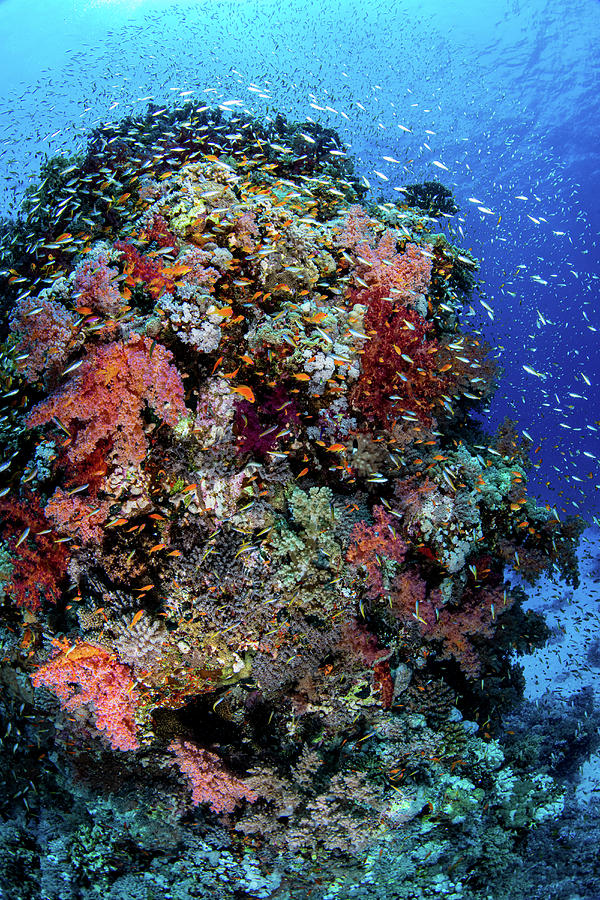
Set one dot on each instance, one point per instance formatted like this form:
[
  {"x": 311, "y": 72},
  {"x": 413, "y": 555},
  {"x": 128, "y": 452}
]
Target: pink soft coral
[
  {"x": 103, "y": 403},
  {"x": 82, "y": 674},
  {"x": 96, "y": 287},
  {"x": 77, "y": 516},
  {"x": 457, "y": 625},
  {"x": 47, "y": 332},
  {"x": 460, "y": 628},
  {"x": 380, "y": 265},
  {"x": 210, "y": 781}
]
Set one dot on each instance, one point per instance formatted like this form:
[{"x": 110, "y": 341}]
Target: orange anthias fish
[
  {"x": 246, "y": 392},
  {"x": 136, "y": 618}
]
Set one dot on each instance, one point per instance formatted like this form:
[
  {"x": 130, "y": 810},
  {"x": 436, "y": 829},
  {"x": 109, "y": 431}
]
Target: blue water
[{"x": 500, "y": 100}]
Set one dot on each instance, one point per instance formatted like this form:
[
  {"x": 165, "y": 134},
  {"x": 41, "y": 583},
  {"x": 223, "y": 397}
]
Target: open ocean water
[{"x": 299, "y": 448}]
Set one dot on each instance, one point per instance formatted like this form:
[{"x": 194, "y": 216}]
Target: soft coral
[
  {"x": 39, "y": 563},
  {"x": 399, "y": 364}
]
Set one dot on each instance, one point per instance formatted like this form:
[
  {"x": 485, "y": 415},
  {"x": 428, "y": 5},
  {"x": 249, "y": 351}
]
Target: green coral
[
  {"x": 525, "y": 801},
  {"x": 457, "y": 799},
  {"x": 298, "y": 331},
  {"x": 304, "y": 548},
  {"x": 313, "y": 511},
  {"x": 6, "y": 568},
  {"x": 490, "y": 485},
  {"x": 183, "y": 215}
]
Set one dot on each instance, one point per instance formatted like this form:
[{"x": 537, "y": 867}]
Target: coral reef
[{"x": 253, "y": 539}]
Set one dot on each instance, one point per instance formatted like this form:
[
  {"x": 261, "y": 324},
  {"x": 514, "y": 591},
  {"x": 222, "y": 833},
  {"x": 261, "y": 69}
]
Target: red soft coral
[
  {"x": 399, "y": 364},
  {"x": 142, "y": 268},
  {"x": 369, "y": 543},
  {"x": 358, "y": 642},
  {"x": 158, "y": 232},
  {"x": 103, "y": 403},
  {"x": 38, "y": 562}
]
